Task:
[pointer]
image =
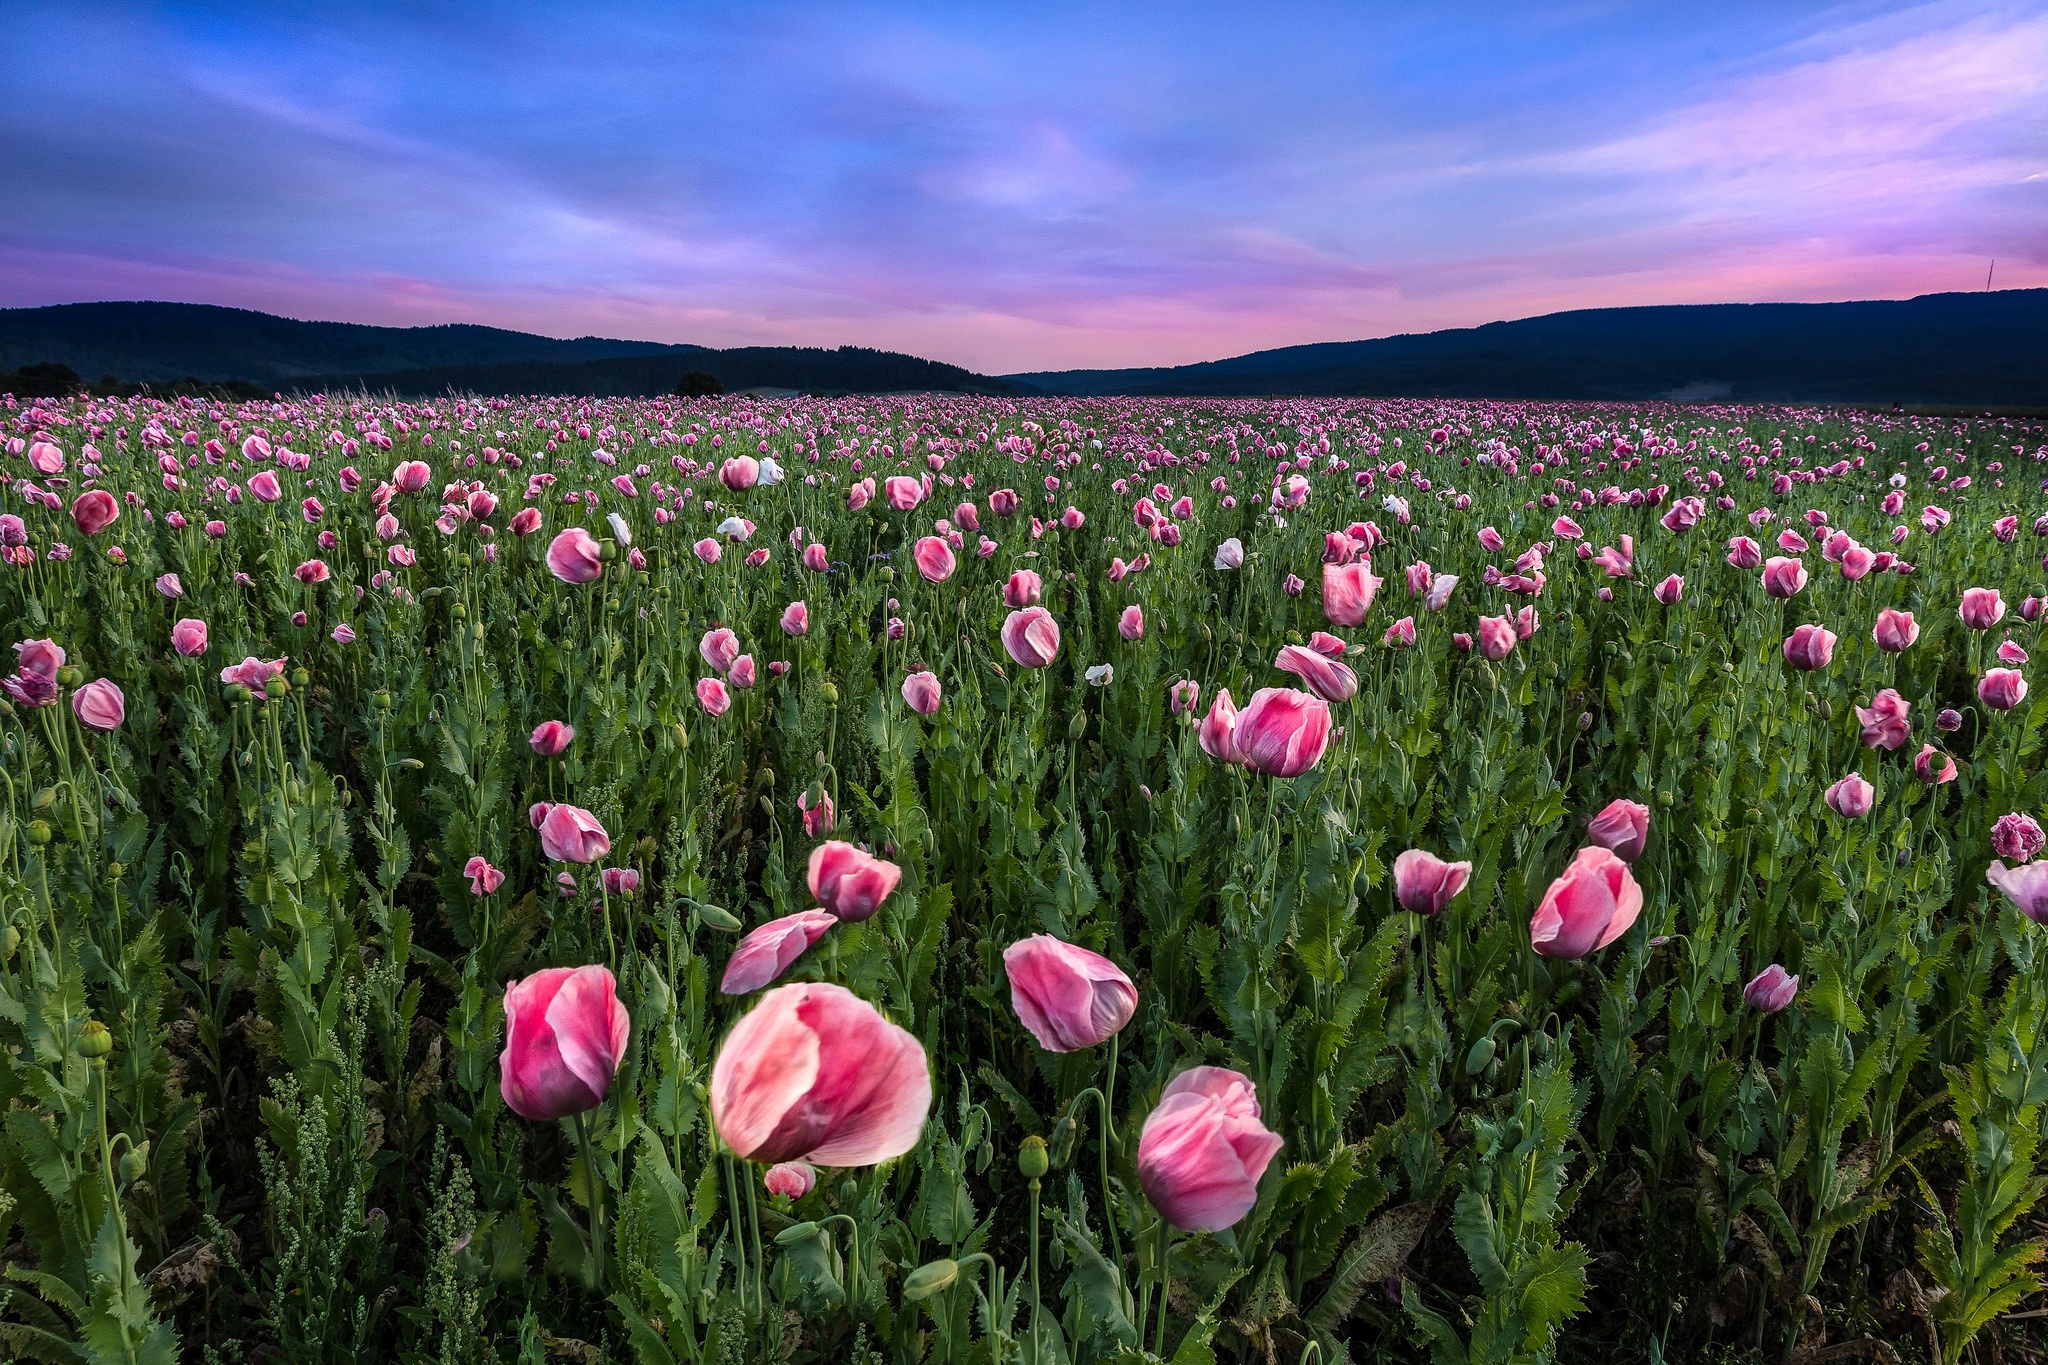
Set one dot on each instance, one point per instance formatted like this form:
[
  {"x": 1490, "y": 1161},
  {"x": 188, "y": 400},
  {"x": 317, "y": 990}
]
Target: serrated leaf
[
  {"x": 1379, "y": 1252},
  {"x": 1102, "y": 1288},
  {"x": 1473, "y": 1225},
  {"x": 1554, "y": 1292},
  {"x": 1446, "y": 1347}
]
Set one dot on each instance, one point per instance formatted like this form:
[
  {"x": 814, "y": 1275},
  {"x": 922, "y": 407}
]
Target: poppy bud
[
  {"x": 933, "y": 1277},
  {"x": 94, "y": 1041},
  {"x": 719, "y": 919},
  {"x": 1480, "y": 1056}
]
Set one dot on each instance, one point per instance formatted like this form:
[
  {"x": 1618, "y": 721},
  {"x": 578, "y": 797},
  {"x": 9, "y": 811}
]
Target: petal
[
  {"x": 768, "y": 1063},
  {"x": 580, "y": 1016},
  {"x": 1628, "y": 904},
  {"x": 1189, "y": 1169},
  {"x": 874, "y": 1084}
]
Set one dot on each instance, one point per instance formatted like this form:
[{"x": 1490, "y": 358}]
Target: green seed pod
[
  {"x": 1061, "y": 1147},
  {"x": 458, "y": 611},
  {"x": 830, "y": 692},
  {"x": 886, "y": 574},
  {"x": 607, "y": 551},
  {"x": 719, "y": 919},
  {"x": 277, "y": 687},
  {"x": 933, "y": 1277},
  {"x": 70, "y": 675},
  {"x": 301, "y": 678},
  {"x": 1666, "y": 799},
  {"x": 93, "y": 1040},
  {"x": 39, "y": 832},
  {"x": 1480, "y": 1056},
  {"x": 1032, "y": 1159},
  {"x": 237, "y": 694}
]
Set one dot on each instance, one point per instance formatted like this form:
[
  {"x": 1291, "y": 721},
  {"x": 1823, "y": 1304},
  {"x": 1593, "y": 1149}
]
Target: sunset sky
[{"x": 1016, "y": 187}]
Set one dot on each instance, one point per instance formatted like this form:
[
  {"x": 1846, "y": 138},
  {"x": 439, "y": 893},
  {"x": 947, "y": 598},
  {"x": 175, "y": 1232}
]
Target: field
[{"x": 965, "y": 879}]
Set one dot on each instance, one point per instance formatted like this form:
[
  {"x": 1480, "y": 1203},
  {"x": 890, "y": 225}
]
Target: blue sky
[{"x": 1016, "y": 187}]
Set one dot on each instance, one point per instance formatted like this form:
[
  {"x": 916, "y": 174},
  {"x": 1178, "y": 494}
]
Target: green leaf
[
  {"x": 1194, "y": 1348},
  {"x": 1554, "y": 1292},
  {"x": 1446, "y": 1347},
  {"x": 1474, "y": 1228},
  {"x": 1102, "y": 1289},
  {"x": 1379, "y": 1252}
]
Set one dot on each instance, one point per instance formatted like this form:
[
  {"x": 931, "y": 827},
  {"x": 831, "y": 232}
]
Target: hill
[
  {"x": 854, "y": 369},
  {"x": 168, "y": 341},
  {"x": 1978, "y": 349}
]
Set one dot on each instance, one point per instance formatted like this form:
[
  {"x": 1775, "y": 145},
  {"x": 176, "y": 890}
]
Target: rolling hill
[
  {"x": 165, "y": 341},
  {"x": 854, "y": 369},
  {"x": 1978, "y": 349}
]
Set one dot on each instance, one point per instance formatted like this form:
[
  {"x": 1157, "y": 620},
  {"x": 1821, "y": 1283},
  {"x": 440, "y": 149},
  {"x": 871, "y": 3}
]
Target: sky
[{"x": 1016, "y": 187}]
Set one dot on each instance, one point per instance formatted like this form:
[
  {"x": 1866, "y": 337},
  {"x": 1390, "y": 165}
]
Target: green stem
[
  {"x": 1037, "y": 1309},
  {"x": 1165, "y": 1235},
  {"x": 595, "y": 1188},
  {"x": 739, "y": 1251}
]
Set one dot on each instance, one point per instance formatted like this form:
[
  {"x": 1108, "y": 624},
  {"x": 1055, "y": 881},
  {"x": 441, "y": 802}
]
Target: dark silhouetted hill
[
  {"x": 1980, "y": 349},
  {"x": 847, "y": 369},
  {"x": 1976, "y": 349},
  {"x": 162, "y": 341},
  {"x": 199, "y": 343}
]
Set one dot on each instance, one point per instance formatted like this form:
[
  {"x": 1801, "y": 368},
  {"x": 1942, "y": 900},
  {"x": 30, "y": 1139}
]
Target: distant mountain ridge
[
  {"x": 167, "y": 341},
  {"x": 856, "y": 369},
  {"x": 1979, "y": 348}
]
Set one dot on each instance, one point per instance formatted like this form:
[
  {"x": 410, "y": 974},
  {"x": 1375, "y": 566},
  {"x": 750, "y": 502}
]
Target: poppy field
[{"x": 961, "y": 879}]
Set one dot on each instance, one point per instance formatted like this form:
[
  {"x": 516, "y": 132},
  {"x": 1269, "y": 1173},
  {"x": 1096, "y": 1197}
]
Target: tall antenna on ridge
[{"x": 1987, "y": 275}]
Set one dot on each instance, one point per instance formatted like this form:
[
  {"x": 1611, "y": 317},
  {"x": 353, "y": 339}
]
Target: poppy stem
[
  {"x": 595, "y": 1188},
  {"x": 739, "y": 1251},
  {"x": 1165, "y": 1283},
  {"x": 754, "y": 1232},
  {"x": 1037, "y": 1309}
]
